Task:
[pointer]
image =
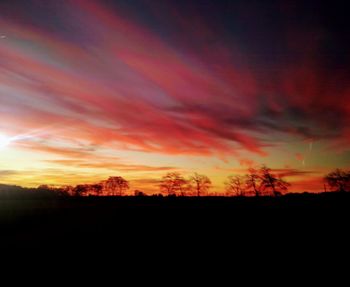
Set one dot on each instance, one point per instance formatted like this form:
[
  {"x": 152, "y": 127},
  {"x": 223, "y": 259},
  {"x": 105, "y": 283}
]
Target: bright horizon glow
[{"x": 4, "y": 141}]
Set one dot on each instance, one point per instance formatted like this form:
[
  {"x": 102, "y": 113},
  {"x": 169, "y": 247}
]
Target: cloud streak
[
  {"x": 205, "y": 109},
  {"x": 105, "y": 164},
  {"x": 98, "y": 77}
]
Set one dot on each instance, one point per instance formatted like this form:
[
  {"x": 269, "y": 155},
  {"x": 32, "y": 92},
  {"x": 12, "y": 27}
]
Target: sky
[{"x": 139, "y": 88}]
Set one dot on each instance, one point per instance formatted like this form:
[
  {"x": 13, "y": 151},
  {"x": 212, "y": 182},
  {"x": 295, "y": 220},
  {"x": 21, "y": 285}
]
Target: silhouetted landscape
[
  {"x": 134, "y": 123},
  {"x": 33, "y": 218}
]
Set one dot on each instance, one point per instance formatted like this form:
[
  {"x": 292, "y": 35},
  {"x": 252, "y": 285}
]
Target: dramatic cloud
[{"x": 217, "y": 80}]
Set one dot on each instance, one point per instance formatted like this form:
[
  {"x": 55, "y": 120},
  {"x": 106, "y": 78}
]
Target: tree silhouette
[
  {"x": 201, "y": 183},
  {"x": 172, "y": 183},
  {"x": 96, "y": 188},
  {"x": 235, "y": 185},
  {"x": 116, "y": 185},
  {"x": 272, "y": 182},
  {"x": 80, "y": 190},
  {"x": 253, "y": 181},
  {"x": 338, "y": 179}
]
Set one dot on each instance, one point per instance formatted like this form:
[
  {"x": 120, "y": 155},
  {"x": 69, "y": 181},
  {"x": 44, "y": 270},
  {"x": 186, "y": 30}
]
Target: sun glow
[{"x": 4, "y": 141}]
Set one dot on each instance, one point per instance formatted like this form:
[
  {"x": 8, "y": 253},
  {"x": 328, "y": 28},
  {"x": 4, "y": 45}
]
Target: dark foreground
[{"x": 151, "y": 221}]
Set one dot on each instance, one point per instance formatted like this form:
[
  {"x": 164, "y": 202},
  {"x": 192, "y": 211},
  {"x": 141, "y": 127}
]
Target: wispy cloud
[
  {"x": 94, "y": 77},
  {"x": 105, "y": 164}
]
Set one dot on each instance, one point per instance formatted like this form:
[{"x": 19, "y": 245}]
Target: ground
[{"x": 104, "y": 221}]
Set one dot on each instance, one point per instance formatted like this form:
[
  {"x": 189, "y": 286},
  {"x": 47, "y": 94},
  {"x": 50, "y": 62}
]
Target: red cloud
[{"x": 123, "y": 86}]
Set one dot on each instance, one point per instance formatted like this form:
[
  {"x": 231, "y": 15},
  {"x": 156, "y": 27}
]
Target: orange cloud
[{"x": 106, "y": 164}]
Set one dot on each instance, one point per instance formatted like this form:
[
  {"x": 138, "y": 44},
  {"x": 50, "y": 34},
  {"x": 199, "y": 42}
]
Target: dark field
[{"x": 115, "y": 221}]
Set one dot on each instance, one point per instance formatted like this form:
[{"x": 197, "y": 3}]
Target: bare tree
[
  {"x": 96, "y": 188},
  {"x": 253, "y": 181},
  {"x": 201, "y": 183},
  {"x": 235, "y": 185},
  {"x": 271, "y": 182},
  {"x": 116, "y": 185},
  {"x": 173, "y": 183},
  {"x": 338, "y": 179}
]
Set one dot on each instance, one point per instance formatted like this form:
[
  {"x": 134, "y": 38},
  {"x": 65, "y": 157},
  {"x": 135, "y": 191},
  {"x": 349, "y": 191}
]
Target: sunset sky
[{"x": 139, "y": 88}]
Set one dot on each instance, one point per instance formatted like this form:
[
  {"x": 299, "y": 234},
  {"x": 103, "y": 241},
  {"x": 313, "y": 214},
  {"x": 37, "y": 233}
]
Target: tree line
[
  {"x": 256, "y": 182},
  {"x": 113, "y": 186}
]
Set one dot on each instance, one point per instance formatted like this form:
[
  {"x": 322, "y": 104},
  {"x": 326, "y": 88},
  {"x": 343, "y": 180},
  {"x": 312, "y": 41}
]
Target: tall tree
[
  {"x": 253, "y": 181},
  {"x": 338, "y": 179},
  {"x": 201, "y": 183},
  {"x": 271, "y": 182},
  {"x": 235, "y": 185},
  {"x": 116, "y": 185},
  {"x": 173, "y": 183}
]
